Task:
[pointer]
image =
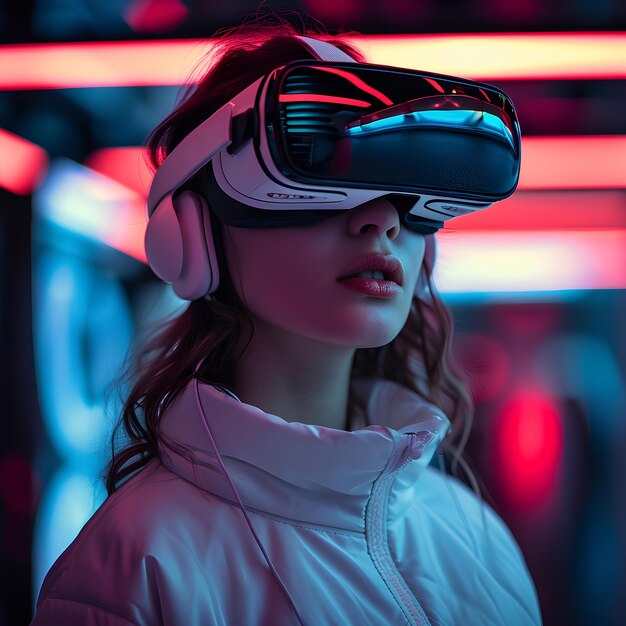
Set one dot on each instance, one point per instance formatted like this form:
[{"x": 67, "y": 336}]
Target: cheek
[
  {"x": 249, "y": 261},
  {"x": 271, "y": 268},
  {"x": 288, "y": 279}
]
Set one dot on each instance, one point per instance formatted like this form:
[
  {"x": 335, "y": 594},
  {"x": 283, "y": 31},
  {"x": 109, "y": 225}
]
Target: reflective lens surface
[{"x": 376, "y": 127}]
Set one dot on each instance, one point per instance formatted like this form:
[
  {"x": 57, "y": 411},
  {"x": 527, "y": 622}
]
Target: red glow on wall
[
  {"x": 124, "y": 165},
  {"x": 22, "y": 163},
  {"x": 331, "y": 10},
  {"x": 19, "y": 486},
  {"x": 152, "y": 16},
  {"x": 487, "y": 362},
  {"x": 409, "y": 10},
  {"x": 528, "y": 439},
  {"x": 583, "y": 162},
  {"x": 521, "y": 10},
  {"x": 550, "y": 210},
  {"x": 528, "y": 323}
]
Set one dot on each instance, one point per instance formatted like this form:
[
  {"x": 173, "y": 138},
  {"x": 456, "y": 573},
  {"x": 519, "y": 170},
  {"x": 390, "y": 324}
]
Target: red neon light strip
[
  {"x": 515, "y": 56},
  {"x": 357, "y": 82},
  {"x": 315, "y": 97},
  {"x": 110, "y": 64},
  {"x": 489, "y": 56},
  {"x": 549, "y": 210},
  {"x": 435, "y": 84},
  {"x": 584, "y": 162},
  {"x": 23, "y": 170}
]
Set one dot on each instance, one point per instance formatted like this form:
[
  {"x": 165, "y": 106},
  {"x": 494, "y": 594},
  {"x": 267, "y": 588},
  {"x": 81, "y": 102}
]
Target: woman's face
[{"x": 288, "y": 276}]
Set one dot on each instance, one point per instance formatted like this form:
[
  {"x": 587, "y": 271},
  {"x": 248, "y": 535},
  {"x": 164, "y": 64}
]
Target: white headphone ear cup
[
  {"x": 199, "y": 273},
  {"x": 164, "y": 242},
  {"x": 211, "y": 252}
]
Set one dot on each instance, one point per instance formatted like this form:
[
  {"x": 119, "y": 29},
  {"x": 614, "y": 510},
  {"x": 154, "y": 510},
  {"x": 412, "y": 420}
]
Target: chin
[
  {"x": 369, "y": 336},
  {"x": 378, "y": 341}
]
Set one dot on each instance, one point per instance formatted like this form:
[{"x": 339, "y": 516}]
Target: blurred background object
[{"x": 537, "y": 284}]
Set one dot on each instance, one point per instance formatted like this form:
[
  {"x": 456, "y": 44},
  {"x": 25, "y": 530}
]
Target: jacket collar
[{"x": 305, "y": 473}]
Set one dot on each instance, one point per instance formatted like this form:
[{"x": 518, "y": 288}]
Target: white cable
[{"x": 219, "y": 458}]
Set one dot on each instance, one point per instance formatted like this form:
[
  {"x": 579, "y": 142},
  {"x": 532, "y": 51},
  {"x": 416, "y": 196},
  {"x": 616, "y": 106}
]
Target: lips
[{"x": 389, "y": 265}]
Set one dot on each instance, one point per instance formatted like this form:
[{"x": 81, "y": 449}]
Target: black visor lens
[{"x": 382, "y": 128}]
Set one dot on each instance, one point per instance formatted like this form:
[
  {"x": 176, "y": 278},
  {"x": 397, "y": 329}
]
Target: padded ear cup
[
  {"x": 430, "y": 253},
  {"x": 163, "y": 242},
  {"x": 196, "y": 275},
  {"x": 209, "y": 240},
  {"x": 176, "y": 245}
]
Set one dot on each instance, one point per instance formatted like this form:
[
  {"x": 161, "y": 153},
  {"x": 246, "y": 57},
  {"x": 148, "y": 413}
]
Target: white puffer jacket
[{"x": 358, "y": 529}]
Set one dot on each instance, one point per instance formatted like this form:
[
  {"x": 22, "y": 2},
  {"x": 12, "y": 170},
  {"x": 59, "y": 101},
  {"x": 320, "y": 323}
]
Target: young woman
[{"x": 280, "y": 430}]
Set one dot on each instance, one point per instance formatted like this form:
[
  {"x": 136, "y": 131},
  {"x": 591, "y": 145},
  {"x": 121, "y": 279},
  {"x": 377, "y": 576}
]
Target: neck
[{"x": 296, "y": 378}]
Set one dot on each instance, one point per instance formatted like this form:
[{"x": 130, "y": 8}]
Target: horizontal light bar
[
  {"x": 482, "y": 262},
  {"x": 550, "y": 210},
  {"x": 580, "y": 162},
  {"x": 22, "y": 163},
  {"x": 109, "y": 64},
  {"x": 516, "y": 56},
  {"x": 482, "y": 56}
]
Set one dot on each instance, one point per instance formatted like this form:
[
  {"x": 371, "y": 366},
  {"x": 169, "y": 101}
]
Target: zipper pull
[
  {"x": 413, "y": 450},
  {"x": 419, "y": 441}
]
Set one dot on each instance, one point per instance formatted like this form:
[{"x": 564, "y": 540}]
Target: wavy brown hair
[{"x": 420, "y": 357}]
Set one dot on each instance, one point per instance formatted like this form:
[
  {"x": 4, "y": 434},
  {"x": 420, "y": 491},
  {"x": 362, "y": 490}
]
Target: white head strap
[{"x": 325, "y": 51}]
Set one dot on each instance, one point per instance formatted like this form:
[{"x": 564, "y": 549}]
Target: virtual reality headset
[{"x": 317, "y": 137}]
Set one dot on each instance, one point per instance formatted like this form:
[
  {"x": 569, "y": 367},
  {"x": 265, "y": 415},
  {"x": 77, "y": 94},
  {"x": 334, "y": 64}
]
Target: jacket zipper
[{"x": 376, "y": 527}]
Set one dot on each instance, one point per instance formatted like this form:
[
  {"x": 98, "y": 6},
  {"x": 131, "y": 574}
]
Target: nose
[{"x": 377, "y": 216}]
